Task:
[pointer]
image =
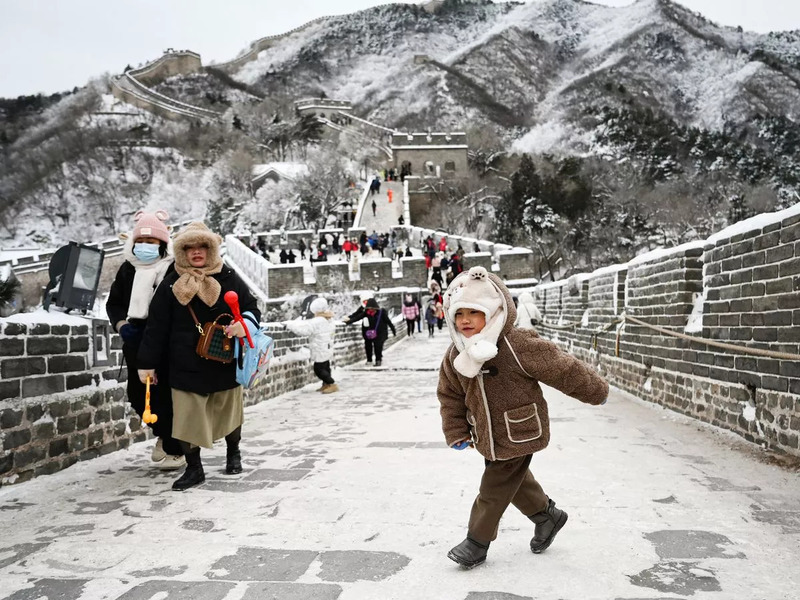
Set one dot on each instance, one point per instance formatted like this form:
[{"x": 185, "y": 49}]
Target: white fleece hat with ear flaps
[
  {"x": 318, "y": 305},
  {"x": 474, "y": 290}
]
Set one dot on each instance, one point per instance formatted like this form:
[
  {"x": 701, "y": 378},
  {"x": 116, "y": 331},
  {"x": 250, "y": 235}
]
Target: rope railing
[{"x": 625, "y": 318}]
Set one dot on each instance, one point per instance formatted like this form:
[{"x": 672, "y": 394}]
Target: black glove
[{"x": 130, "y": 334}]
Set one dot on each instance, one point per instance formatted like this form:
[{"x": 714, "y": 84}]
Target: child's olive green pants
[{"x": 504, "y": 482}]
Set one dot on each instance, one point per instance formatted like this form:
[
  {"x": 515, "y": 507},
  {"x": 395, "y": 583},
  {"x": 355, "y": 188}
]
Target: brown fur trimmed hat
[{"x": 194, "y": 234}]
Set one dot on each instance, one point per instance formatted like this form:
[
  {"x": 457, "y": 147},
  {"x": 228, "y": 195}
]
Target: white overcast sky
[{"x": 53, "y": 45}]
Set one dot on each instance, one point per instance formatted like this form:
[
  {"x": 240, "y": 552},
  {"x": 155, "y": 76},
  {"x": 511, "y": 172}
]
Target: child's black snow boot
[
  {"x": 548, "y": 523},
  {"x": 469, "y": 553}
]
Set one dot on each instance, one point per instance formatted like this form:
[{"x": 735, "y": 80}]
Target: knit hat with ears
[
  {"x": 318, "y": 305},
  {"x": 474, "y": 290},
  {"x": 151, "y": 225}
]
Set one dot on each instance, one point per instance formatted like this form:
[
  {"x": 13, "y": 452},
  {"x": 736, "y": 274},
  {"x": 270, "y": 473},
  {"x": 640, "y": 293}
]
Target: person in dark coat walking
[
  {"x": 148, "y": 260},
  {"x": 373, "y": 318},
  {"x": 206, "y": 397}
]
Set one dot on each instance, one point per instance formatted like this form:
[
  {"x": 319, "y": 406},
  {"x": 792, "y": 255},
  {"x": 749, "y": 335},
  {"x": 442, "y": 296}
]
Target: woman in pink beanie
[{"x": 148, "y": 259}]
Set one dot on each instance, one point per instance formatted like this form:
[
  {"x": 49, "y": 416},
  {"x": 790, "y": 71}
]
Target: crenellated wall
[{"x": 741, "y": 288}]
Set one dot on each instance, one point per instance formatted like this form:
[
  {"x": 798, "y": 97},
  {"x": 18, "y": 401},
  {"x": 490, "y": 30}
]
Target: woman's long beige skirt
[{"x": 200, "y": 419}]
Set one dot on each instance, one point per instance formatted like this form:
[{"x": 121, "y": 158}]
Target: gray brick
[
  {"x": 34, "y": 412},
  {"x": 79, "y": 344},
  {"x": 67, "y": 424},
  {"x": 84, "y": 420},
  {"x": 95, "y": 438},
  {"x": 12, "y": 347},
  {"x": 59, "y": 408},
  {"x": 77, "y": 442},
  {"x": 44, "y": 431},
  {"x": 6, "y": 463},
  {"x": 42, "y": 386},
  {"x": 13, "y": 368},
  {"x": 79, "y": 380},
  {"x": 39, "y": 329},
  {"x": 46, "y": 345},
  {"x": 58, "y": 447},
  {"x": 16, "y": 438},
  {"x": 15, "y": 329},
  {"x": 9, "y": 389},
  {"x": 28, "y": 456},
  {"x": 64, "y": 364},
  {"x": 80, "y": 329},
  {"x": 10, "y": 417}
]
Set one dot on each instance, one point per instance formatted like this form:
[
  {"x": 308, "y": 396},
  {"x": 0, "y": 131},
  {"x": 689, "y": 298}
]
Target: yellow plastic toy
[{"x": 147, "y": 416}]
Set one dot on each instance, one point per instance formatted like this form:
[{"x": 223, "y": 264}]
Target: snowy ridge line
[{"x": 256, "y": 46}]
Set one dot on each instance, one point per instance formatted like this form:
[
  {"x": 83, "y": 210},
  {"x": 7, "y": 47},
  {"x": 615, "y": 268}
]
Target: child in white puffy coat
[{"x": 320, "y": 330}]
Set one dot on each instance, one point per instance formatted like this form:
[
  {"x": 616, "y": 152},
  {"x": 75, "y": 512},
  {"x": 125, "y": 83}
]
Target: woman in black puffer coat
[{"x": 207, "y": 399}]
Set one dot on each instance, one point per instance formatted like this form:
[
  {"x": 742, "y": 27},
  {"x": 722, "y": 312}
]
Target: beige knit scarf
[{"x": 198, "y": 282}]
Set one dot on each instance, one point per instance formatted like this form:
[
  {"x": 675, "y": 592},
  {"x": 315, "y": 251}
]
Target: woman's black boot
[
  {"x": 233, "y": 464},
  {"x": 193, "y": 475}
]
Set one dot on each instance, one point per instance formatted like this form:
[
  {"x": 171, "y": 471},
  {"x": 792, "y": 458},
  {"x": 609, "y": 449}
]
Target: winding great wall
[{"x": 709, "y": 329}]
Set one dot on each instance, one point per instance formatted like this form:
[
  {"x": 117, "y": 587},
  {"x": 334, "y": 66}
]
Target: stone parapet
[
  {"x": 739, "y": 289},
  {"x": 55, "y": 410}
]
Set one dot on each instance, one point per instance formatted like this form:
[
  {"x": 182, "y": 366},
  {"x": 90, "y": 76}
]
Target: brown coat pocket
[{"x": 523, "y": 424}]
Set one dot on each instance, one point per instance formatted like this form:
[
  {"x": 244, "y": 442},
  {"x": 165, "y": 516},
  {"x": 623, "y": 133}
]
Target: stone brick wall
[
  {"x": 745, "y": 282},
  {"x": 56, "y": 409}
]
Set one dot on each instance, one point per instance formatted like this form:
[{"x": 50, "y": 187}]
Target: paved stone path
[
  {"x": 353, "y": 496},
  {"x": 386, "y": 213}
]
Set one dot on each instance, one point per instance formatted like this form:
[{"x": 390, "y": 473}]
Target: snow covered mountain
[
  {"x": 650, "y": 84},
  {"x": 532, "y": 70}
]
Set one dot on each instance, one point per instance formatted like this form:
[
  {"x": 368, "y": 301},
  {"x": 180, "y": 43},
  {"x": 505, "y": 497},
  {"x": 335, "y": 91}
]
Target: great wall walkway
[{"x": 355, "y": 496}]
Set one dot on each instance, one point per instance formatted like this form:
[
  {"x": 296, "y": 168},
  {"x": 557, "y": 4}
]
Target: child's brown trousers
[{"x": 504, "y": 482}]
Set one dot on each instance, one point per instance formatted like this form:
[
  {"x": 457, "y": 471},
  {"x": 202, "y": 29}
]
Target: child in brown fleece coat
[{"x": 490, "y": 399}]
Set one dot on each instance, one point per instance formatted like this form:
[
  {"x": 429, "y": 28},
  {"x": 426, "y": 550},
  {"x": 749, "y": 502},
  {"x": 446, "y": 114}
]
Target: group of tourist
[
  {"x": 167, "y": 287},
  {"x": 161, "y": 294}
]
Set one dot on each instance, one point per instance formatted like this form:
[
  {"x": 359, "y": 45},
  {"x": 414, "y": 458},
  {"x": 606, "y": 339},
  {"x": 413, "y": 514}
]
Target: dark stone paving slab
[
  {"x": 51, "y": 589},
  {"x": 262, "y": 564},
  {"x": 160, "y": 572},
  {"x": 292, "y": 591},
  {"x": 179, "y": 590},
  {"x": 688, "y": 544},
  {"x": 18, "y": 552},
  {"x": 683, "y": 578},
  {"x": 277, "y": 475},
  {"x": 358, "y": 565}
]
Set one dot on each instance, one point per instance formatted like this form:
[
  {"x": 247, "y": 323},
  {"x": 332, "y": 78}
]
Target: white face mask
[{"x": 146, "y": 253}]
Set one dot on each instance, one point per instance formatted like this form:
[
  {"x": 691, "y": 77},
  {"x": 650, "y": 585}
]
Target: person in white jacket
[
  {"x": 528, "y": 315},
  {"x": 320, "y": 330}
]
